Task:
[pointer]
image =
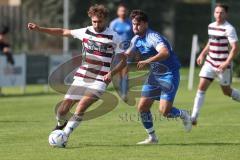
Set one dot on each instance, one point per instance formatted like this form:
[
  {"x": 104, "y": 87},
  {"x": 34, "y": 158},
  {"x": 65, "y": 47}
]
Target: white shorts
[
  {"x": 85, "y": 87},
  {"x": 208, "y": 71}
]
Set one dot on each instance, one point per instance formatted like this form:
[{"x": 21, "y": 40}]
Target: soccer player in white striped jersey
[
  {"x": 218, "y": 62},
  {"x": 100, "y": 44}
]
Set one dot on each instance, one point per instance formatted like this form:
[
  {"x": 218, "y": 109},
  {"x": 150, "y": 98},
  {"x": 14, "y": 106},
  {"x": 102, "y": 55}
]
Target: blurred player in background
[
  {"x": 5, "y": 46},
  {"x": 218, "y": 62},
  {"x": 91, "y": 79},
  {"x": 163, "y": 80},
  {"x": 123, "y": 26}
]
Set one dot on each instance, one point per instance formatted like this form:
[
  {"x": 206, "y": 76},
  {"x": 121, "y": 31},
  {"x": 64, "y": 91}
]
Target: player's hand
[
  {"x": 142, "y": 64},
  {"x": 200, "y": 60},
  {"x": 33, "y": 26},
  {"x": 222, "y": 67},
  {"x": 107, "y": 78}
]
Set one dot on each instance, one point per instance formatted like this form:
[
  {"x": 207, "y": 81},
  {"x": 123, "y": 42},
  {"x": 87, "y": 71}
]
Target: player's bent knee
[{"x": 202, "y": 88}]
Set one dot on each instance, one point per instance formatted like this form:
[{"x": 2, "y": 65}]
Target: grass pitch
[{"x": 26, "y": 121}]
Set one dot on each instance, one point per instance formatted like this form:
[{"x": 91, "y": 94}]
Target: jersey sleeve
[
  {"x": 78, "y": 33},
  {"x": 156, "y": 41},
  {"x": 232, "y": 35}
]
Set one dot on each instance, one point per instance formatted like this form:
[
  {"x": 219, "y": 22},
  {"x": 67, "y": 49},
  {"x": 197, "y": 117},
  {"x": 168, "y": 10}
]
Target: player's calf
[
  {"x": 231, "y": 92},
  {"x": 198, "y": 103},
  {"x": 62, "y": 113}
]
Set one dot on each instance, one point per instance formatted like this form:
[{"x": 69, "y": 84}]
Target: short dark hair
[
  {"x": 122, "y": 5},
  {"x": 222, "y": 5},
  {"x": 98, "y": 10},
  {"x": 139, "y": 15}
]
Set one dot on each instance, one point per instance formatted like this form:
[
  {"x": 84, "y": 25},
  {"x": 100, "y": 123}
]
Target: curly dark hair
[
  {"x": 139, "y": 15},
  {"x": 98, "y": 10}
]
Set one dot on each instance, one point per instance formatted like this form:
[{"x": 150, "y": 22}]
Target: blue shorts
[{"x": 161, "y": 86}]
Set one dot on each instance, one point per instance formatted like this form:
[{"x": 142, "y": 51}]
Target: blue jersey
[
  {"x": 147, "y": 47},
  {"x": 123, "y": 28}
]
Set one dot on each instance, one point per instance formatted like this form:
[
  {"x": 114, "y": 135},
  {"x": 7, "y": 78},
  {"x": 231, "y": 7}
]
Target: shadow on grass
[
  {"x": 157, "y": 145},
  {"x": 18, "y": 121},
  {"x": 28, "y": 94},
  {"x": 203, "y": 144}
]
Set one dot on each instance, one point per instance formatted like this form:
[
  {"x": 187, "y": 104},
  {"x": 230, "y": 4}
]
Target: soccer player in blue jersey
[
  {"x": 163, "y": 80},
  {"x": 122, "y": 25}
]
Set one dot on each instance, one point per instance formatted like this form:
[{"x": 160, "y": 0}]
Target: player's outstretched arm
[
  {"x": 162, "y": 54},
  {"x": 117, "y": 68},
  {"x": 51, "y": 31},
  {"x": 203, "y": 54}
]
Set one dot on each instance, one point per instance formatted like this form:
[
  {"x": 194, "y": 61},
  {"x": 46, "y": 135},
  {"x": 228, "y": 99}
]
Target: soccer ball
[{"x": 57, "y": 138}]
